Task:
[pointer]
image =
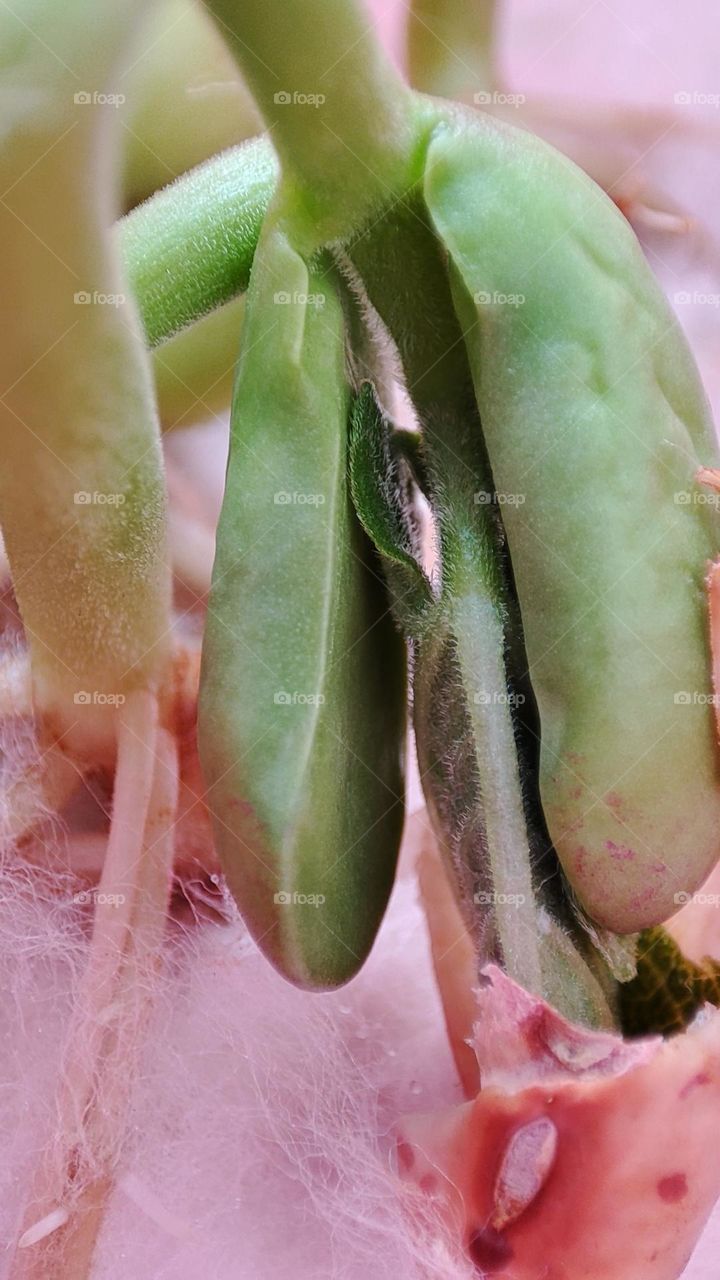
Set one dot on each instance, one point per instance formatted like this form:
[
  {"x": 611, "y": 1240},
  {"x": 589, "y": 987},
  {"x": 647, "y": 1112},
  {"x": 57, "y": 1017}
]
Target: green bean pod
[
  {"x": 302, "y": 702},
  {"x": 595, "y": 424}
]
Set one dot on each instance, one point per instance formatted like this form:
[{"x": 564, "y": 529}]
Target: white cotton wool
[{"x": 259, "y": 1143}]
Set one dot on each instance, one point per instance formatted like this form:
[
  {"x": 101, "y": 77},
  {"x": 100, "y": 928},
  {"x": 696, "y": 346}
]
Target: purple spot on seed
[{"x": 673, "y": 1188}]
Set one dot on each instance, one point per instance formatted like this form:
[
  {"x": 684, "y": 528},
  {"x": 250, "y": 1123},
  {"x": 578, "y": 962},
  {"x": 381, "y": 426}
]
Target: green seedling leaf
[
  {"x": 472, "y": 711},
  {"x": 380, "y": 484},
  {"x": 595, "y": 425},
  {"x": 302, "y": 706}
]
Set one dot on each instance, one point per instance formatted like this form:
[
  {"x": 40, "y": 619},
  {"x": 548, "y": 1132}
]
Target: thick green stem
[
  {"x": 340, "y": 116},
  {"x": 189, "y": 249},
  {"x": 82, "y": 497}
]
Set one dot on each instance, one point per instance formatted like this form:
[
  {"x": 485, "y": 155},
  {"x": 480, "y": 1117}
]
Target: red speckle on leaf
[
  {"x": 641, "y": 900},
  {"x": 673, "y": 1188},
  {"x": 428, "y": 1183},
  {"x": 620, "y": 852},
  {"x": 489, "y": 1250}
]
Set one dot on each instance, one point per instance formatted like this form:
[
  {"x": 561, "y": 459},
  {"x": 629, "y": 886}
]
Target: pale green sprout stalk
[
  {"x": 83, "y": 512},
  {"x": 328, "y": 94},
  {"x": 82, "y": 499}
]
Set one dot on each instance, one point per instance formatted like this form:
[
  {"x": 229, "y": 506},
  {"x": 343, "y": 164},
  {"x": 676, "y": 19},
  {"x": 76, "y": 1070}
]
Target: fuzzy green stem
[
  {"x": 190, "y": 247},
  {"x": 82, "y": 497},
  {"x": 340, "y": 116}
]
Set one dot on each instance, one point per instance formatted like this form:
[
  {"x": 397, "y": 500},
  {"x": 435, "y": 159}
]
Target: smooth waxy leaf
[
  {"x": 595, "y": 424},
  {"x": 302, "y": 705}
]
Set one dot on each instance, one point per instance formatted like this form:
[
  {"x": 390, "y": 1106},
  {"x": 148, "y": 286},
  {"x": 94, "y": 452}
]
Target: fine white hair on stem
[
  {"x": 76, "y": 1173},
  {"x": 36, "y": 779},
  {"x": 82, "y": 489},
  {"x": 15, "y": 683},
  {"x": 37, "y": 793}
]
